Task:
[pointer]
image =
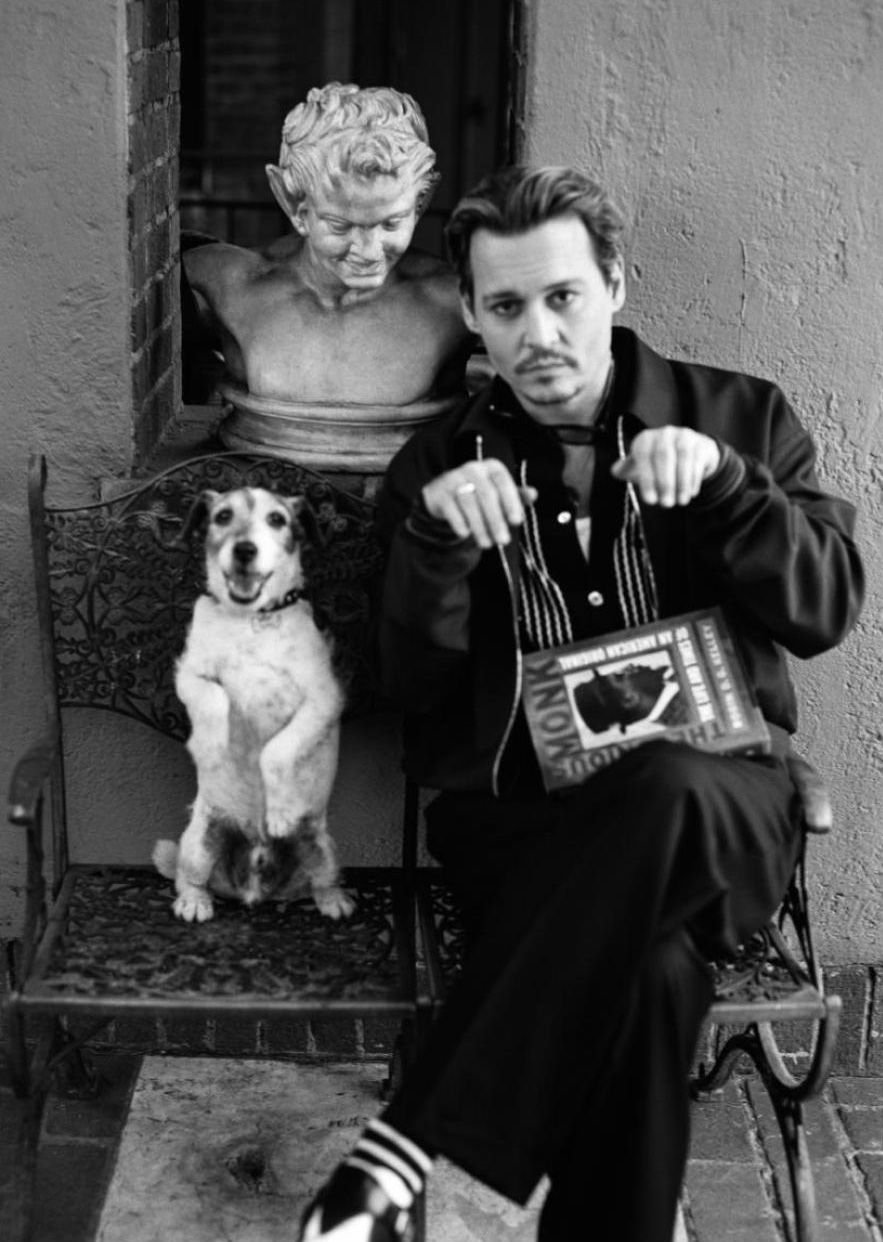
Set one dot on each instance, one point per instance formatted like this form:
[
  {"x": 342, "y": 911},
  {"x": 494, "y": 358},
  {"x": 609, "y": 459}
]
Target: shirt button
[
  {"x": 565, "y": 516},
  {"x": 595, "y": 598}
]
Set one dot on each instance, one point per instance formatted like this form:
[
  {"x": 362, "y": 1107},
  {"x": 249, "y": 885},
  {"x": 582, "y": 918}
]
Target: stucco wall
[
  {"x": 744, "y": 143},
  {"x": 64, "y": 327}
]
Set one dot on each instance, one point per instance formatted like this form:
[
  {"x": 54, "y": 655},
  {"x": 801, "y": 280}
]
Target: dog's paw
[
  {"x": 194, "y": 906},
  {"x": 280, "y": 823},
  {"x": 334, "y": 902}
]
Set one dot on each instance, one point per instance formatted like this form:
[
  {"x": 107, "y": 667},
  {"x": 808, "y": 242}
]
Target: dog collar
[{"x": 289, "y": 598}]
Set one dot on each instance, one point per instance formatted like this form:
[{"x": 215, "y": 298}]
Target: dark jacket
[{"x": 772, "y": 549}]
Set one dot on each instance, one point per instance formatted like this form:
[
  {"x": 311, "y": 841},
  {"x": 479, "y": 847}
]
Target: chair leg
[
  {"x": 789, "y": 1112},
  {"x": 403, "y": 1053}
]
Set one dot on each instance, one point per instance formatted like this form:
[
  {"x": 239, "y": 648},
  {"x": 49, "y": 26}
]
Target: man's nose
[{"x": 540, "y": 327}]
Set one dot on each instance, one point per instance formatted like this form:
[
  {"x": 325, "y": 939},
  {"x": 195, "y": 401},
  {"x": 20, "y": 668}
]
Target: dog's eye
[
  {"x": 223, "y": 517},
  {"x": 277, "y": 520}
]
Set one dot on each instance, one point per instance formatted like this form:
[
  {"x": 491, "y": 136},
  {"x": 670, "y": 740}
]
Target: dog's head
[{"x": 253, "y": 543}]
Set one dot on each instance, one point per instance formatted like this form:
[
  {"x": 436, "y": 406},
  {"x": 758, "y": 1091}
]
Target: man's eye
[
  {"x": 277, "y": 520},
  {"x": 561, "y": 297},
  {"x": 505, "y": 310},
  {"x": 390, "y": 226},
  {"x": 223, "y": 517}
]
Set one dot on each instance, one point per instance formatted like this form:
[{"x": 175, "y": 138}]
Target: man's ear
[
  {"x": 467, "y": 313},
  {"x": 616, "y": 284},
  {"x": 283, "y": 195}
]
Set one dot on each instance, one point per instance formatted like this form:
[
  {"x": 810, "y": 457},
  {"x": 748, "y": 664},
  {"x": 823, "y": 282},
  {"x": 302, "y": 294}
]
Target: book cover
[{"x": 679, "y": 678}]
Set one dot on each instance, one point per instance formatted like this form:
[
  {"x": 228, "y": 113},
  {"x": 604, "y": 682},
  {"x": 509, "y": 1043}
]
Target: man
[
  {"x": 594, "y": 486},
  {"x": 341, "y": 310}
]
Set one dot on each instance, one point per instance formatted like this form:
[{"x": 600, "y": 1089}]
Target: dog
[{"x": 264, "y": 705}]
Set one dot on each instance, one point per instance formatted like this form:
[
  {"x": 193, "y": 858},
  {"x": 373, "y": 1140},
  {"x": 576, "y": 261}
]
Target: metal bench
[{"x": 114, "y": 591}]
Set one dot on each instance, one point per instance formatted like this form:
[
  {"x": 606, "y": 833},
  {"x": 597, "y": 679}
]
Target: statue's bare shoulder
[{"x": 219, "y": 268}]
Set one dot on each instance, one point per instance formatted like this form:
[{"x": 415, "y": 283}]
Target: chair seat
[
  {"x": 113, "y": 943},
  {"x": 764, "y": 982}
]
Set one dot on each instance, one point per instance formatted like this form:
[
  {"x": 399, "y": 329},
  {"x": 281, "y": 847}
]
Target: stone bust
[{"x": 341, "y": 310}]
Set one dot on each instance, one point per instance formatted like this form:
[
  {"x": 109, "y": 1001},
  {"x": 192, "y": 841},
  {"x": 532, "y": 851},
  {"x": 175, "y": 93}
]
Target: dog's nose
[{"x": 244, "y": 551}]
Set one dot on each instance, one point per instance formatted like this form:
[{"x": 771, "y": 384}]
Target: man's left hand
[{"x": 668, "y": 465}]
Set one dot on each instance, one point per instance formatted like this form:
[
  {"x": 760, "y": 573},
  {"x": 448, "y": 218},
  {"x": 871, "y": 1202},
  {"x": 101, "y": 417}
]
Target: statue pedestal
[{"x": 349, "y": 439}]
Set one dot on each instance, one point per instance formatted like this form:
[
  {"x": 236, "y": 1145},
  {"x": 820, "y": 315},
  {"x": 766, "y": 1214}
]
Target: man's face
[
  {"x": 545, "y": 312},
  {"x": 358, "y": 230}
]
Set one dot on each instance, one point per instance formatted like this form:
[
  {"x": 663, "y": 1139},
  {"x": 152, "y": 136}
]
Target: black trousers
[{"x": 565, "y": 1047}]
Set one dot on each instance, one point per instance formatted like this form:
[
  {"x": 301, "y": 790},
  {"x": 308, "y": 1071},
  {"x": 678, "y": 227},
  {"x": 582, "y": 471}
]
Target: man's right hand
[{"x": 481, "y": 499}]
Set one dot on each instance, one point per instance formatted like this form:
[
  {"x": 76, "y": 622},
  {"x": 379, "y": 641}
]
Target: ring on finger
[{"x": 466, "y": 489}]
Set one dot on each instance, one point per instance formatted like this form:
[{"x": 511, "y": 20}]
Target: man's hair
[
  {"x": 515, "y": 199},
  {"x": 342, "y": 130}
]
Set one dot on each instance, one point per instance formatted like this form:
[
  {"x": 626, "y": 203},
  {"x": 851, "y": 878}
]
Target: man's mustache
[{"x": 539, "y": 359}]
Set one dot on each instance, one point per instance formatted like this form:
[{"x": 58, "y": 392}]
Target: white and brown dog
[{"x": 264, "y": 705}]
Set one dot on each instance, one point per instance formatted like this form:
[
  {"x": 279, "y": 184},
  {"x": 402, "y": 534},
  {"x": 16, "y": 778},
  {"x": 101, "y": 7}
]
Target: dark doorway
[{"x": 245, "y": 63}]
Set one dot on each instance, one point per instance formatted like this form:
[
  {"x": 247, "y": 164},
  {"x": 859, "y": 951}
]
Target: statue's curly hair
[{"x": 343, "y": 130}]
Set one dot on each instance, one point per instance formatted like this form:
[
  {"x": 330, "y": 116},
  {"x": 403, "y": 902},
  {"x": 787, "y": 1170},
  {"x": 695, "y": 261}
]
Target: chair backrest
[{"x": 116, "y": 584}]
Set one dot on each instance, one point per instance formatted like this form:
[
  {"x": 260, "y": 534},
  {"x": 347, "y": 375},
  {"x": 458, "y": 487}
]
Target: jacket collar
[{"x": 643, "y": 384}]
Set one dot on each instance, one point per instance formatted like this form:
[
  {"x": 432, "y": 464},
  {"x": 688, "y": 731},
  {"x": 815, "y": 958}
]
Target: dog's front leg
[
  {"x": 194, "y": 867},
  {"x": 297, "y": 767},
  {"x": 208, "y": 708}
]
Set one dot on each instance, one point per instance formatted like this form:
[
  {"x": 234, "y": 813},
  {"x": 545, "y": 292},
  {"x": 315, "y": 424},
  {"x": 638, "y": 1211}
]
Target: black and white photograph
[{"x": 441, "y": 547}]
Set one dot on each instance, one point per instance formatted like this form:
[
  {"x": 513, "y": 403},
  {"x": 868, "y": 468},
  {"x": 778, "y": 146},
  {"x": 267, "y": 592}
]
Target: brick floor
[
  {"x": 737, "y": 1182},
  {"x": 78, "y": 1144},
  {"x": 736, "y": 1187}
]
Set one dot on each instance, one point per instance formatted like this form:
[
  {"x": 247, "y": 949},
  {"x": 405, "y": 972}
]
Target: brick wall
[{"x": 154, "y": 120}]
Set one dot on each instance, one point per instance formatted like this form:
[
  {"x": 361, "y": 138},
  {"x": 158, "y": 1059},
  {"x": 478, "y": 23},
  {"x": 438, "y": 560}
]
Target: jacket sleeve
[
  {"x": 425, "y": 605},
  {"x": 781, "y": 549}
]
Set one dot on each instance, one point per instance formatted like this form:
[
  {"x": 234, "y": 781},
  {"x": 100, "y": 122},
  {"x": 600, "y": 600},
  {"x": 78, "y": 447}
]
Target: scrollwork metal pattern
[{"x": 121, "y": 940}]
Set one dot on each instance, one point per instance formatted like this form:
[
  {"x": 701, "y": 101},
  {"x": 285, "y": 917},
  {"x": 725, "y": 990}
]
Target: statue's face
[{"x": 358, "y": 230}]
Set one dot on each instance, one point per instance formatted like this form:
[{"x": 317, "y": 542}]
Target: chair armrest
[
  {"x": 817, "y": 813},
  {"x": 28, "y": 779}
]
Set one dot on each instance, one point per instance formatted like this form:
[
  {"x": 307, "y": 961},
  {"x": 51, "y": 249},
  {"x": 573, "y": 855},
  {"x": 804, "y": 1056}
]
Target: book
[{"x": 680, "y": 678}]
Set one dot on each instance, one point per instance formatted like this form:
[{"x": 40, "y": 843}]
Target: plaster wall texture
[
  {"x": 743, "y": 143},
  {"x": 64, "y": 345}
]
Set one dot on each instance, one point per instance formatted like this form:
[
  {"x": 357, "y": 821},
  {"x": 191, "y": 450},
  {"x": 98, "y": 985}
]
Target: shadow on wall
[{"x": 123, "y": 774}]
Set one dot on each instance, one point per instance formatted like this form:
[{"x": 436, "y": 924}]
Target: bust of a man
[{"x": 341, "y": 310}]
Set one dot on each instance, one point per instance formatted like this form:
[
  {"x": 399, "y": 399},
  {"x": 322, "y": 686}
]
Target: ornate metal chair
[
  {"x": 775, "y": 979},
  {"x": 100, "y": 942}
]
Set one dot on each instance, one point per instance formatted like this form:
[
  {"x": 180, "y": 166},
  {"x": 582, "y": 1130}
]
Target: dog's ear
[
  {"x": 304, "y": 522},
  {"x": 194, "y": 522}
]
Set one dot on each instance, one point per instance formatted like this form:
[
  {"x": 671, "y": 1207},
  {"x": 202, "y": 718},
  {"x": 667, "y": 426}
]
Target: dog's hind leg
[
  {"x": 317, "y": 859},
  {"x": 196, "y": 859}
]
